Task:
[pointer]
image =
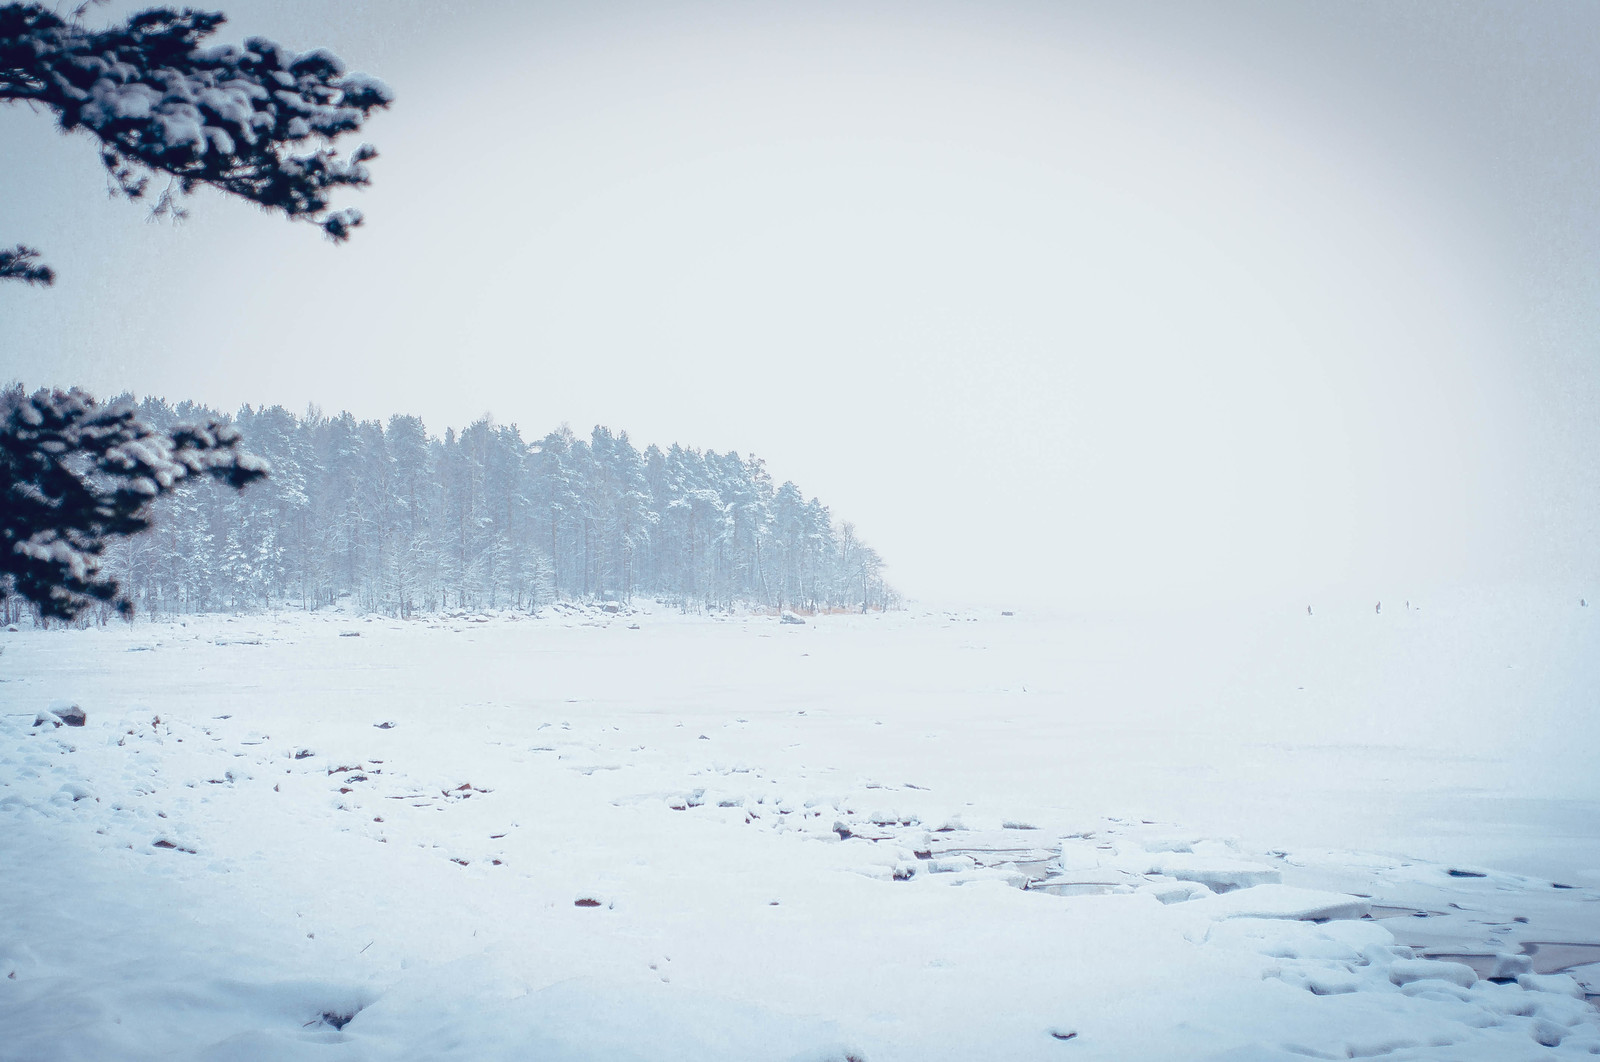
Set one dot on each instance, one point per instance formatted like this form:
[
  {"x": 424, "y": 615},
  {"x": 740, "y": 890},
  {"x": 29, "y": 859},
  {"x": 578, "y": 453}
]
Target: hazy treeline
[{"x": 389, "y": 518}]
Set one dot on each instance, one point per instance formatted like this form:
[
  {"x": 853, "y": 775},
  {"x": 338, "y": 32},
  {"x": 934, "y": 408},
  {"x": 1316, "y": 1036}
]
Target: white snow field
[{"x": 912, "y": 836}]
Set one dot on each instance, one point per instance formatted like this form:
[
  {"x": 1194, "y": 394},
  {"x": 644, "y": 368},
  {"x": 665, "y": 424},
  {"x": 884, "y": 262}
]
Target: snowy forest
[{"x": 387, "y": 518}]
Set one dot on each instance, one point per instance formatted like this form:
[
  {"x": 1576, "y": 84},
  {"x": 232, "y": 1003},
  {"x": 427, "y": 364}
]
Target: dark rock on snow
[{"x": 71, "y": 715}]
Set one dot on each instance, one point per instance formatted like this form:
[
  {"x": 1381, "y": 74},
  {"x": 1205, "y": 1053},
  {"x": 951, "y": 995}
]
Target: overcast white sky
[{"x": 1089, "y": 301}]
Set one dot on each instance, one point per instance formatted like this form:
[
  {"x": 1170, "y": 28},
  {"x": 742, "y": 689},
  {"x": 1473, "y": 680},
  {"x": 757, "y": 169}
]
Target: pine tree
[{"x": 411, "y": 577}]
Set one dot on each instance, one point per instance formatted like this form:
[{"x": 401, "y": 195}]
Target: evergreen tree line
[{"x": 387, "y": 518}]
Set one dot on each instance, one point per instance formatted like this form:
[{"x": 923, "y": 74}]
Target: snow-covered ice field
[{"x": 912, "y": 836}]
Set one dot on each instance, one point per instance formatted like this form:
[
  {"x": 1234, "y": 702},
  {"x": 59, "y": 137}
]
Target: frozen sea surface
[{"x": 918, "y": 835}]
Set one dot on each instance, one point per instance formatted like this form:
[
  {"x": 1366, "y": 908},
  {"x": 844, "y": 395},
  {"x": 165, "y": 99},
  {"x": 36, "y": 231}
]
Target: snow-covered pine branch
[
  {"x": 75, "y": 474},
  {"x": 22, "y": 263},
  {"x": 259, "y": 121}
]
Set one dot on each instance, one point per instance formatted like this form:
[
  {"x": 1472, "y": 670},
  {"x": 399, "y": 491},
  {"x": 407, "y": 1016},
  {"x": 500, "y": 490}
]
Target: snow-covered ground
[{"x": 913, "y": 836}]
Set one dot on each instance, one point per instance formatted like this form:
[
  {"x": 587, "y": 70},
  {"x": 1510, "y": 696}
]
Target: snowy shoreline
[{"x": 670, "y": 837}]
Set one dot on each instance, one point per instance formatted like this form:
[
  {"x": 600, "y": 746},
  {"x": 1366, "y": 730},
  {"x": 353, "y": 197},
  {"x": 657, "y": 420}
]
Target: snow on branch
[
  {"x": 257, "y": 121},
  {"x": 75, "y": 474},
  {"x": 22, "y": 263}
]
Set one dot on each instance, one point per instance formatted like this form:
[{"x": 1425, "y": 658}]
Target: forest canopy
[{"x": 388, "y": 518}]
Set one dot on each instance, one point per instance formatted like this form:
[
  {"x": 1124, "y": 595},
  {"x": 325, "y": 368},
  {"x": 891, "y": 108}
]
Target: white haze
[{"x": 1053, "y": 303}]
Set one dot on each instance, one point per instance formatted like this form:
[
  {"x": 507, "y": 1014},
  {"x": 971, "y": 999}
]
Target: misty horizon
[{"x": 1257, "y": 303}]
